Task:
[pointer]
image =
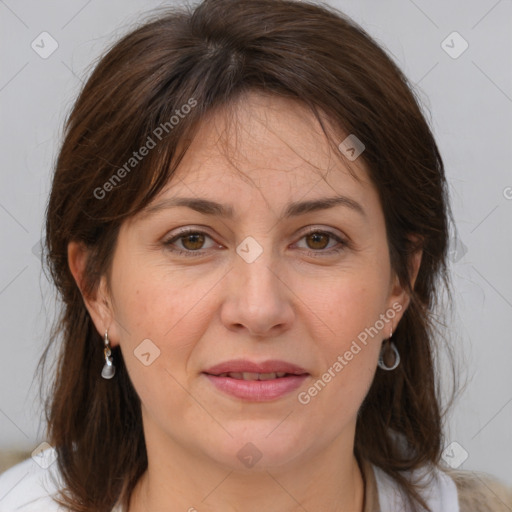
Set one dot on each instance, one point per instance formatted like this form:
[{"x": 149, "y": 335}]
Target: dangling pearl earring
[
  {"x": 384, "y": 354},
  {"x": 109, "y": 369}
]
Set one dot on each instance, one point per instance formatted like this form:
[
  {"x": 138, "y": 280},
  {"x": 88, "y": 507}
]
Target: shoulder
[
  {"x": 480, "y": 492},
  {"x": 446, "y": 489},
  {"x": 29, "y": 485}
]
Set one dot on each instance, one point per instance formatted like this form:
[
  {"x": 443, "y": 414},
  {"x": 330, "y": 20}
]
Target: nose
[{"x": 257, "y": 299}]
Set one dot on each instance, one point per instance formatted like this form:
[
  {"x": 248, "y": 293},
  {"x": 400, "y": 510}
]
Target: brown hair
[{"x": 210, "y": 55}]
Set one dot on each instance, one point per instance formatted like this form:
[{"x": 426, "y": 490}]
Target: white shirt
[{"x": 28, "y": 487}]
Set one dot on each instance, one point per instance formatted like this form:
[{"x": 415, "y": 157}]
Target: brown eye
[
  {"x": 317, "y": 240},
  {"x": 322, "y": 243},
  {"x": 193, "y": 241},
  {"x": 189, "y": 243}
]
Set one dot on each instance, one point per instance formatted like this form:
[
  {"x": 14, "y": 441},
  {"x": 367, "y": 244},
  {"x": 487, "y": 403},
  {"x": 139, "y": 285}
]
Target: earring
[
  {"x": 109, "y": 369},
  {"x": 388, "y": 348}
]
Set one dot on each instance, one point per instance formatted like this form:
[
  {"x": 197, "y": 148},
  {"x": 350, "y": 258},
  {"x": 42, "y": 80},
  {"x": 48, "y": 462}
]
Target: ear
[
  {"x": 399, "y": 297},
  {"x": 99, "y": 304}
]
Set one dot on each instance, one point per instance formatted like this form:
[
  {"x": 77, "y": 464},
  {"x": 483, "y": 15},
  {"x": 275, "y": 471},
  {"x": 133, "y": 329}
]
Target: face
[{"x": 268, "y": 281}]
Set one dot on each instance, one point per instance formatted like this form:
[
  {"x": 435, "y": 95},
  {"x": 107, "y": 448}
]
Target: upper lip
[{"x": 243, "y": 365}]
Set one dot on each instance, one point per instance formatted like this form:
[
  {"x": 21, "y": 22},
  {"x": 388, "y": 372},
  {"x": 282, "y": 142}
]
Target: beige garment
[{"x": 477, "y": 492}]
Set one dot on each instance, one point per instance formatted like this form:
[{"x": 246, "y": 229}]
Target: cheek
[
  {"x": 159, "y": 329},
  {"x": 157, "y": 302},
  {"x": 161, "y": 316},
  {"x": 351, "y": 311},
  {"x": 350, "y": 307}
]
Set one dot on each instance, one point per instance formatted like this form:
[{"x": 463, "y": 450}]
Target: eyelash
[{"x": 199, "y": 252}]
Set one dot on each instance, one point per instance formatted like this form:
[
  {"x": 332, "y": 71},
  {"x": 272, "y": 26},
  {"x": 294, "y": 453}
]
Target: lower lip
[{"x": 257, "y": 390}]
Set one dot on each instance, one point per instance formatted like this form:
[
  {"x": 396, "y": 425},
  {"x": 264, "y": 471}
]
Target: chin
[{"x": 258, "y": 448}]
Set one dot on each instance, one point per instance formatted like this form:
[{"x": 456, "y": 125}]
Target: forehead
[
  {"x": 266, "y": 140},
  {"x": 265, "y": 150}
]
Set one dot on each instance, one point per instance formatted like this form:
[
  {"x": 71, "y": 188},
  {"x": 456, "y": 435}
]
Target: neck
[{"x": 181, "y": 480}]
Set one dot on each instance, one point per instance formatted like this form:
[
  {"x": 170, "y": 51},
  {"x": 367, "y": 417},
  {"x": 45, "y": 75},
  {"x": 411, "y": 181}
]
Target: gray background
[{"x": 468, "y": 100}]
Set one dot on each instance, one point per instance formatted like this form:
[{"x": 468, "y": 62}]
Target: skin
[{"x": 287, "y": 304}]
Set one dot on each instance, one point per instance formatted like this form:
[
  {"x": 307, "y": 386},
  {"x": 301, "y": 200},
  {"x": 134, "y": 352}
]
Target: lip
[
  {"x": 244, "y": 365},
  {"x": 257, "y": 390}
]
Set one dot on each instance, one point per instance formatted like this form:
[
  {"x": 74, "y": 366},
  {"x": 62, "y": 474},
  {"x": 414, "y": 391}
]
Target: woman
[{"x": 248, "y": 228}]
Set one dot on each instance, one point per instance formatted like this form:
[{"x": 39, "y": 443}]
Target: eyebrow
[{"x": 294, "y": 209}]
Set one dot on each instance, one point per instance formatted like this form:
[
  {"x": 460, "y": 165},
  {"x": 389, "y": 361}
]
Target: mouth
[
  {"x": 253, "y": 376},
  {"x": 257, "y": 382}
]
